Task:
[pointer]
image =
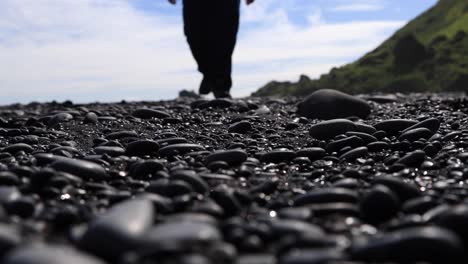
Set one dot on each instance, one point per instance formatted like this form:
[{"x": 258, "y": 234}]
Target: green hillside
[{"x": 429, "y": 54}]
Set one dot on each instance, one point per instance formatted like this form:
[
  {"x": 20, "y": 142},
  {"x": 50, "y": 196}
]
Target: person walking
[{"x": 211, "y": 27}]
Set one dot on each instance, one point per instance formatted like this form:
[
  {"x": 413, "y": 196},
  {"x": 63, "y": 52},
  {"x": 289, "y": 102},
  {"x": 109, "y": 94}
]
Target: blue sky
[{"x": 109, "y": 50}]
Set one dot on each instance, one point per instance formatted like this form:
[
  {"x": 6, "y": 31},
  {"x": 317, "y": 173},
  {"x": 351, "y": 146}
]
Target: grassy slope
[{"x": 443, "y": 67}]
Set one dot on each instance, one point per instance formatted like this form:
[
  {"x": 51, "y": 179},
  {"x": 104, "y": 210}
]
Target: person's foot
[
  {"x": 206, "y": 86},
  {"x": 221, "y": 88},
  {"x": 221, "y": 94}
]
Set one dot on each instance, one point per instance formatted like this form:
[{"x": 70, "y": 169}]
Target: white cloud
[
  {"x": 89, "y": 50},
  {"x": 360, "y": 6}
]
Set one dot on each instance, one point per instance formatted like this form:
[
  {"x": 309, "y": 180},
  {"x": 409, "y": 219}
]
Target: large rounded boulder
[{"x": 330, "y": 104}]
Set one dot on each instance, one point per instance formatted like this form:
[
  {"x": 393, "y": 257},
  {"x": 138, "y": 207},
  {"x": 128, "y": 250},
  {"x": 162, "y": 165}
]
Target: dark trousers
[{"x": 211, "y": 29}]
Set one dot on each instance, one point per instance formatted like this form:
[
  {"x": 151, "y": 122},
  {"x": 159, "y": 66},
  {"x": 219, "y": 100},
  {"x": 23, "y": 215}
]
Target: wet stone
[
  {"x": 45, "y": 254},
  {"x": 415, "y": 134},
  {"x": 232, "y": 157},
  {"x": 121, "y": 134},
  {"x": 355, "y": 153},
  {"x": 322, "y": 104},
  {"x": 313, "y": 256},
  {"x": 182, "y": 234},
  {"x": 147, "y": 113},
  {"x": 277, "y": 156},
  {"x": 111, "y": 151},
  {"x": 59, "y": 118},
  {"x": 453, "y": 218},
  {"x": 8, "y": 178},
  {"x": 393, "y": 126},
  {"x": 330, "y": 195},
  {"x": 91, "y": 118},
  {"x": 331, "y": 128},
  {"x": 352, "y": 141},
  {"x": 81, "y": 168},
  {"x": 379, "y": 205},
  {"x": 9, "y": 238},
  {"x": 404, "y": 190},
  {"x": 241, "y": 127},
  {"x": 182, "y": 187},
  {"x": 414, "y": 158},
  {"x": 119, "y": 230},
  {"x": 432, "y": 124},
  {"x": 142, "y": 148},
  {"x": 418, "y": 244},
  {"x": 312, "y": 153},
  {"x": 15, "y": 148},
  {"x": 179, "y": 149},
  {"x": 191, "y": 177}
]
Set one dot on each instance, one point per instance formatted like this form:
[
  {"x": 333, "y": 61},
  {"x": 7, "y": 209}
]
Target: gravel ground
[{"x": 245, "y": 181}]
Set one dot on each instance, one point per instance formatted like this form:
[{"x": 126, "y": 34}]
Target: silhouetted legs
[{"x": 211, "y": 29}]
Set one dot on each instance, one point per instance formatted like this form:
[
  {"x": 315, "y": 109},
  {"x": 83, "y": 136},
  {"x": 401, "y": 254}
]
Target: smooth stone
[
  {"x": 379, "y": 205},
  {"x": 377, "y": 146},
  {"x": 168, "y": 188},
  {"x": 215, "y": 103},
  {"x": 335, "y": 208},
  {"x": 415, "y": 134},
  {"x": 232, "y": 157},
  {"x": 313, "y": 256},
  {"x": 331, "y": 128},
  {"x": 331, "y": 104},
  {"x": 81, "y": 168},
  {"x": 393, "y": 126},
  {"x": 147, "y": 113},
  {"x": 383, "y": 99},
  {"x": 277, "y": 156},
  {"x": 225, "y": 197},
  {"x": 355, "y": 153},
  {"x": 8, "y": 178},
  {"x": 453, "y": 218},
  {"x": 144, "y": 168},
  {"x": 352, "y": 141},
  {"x": 420, "y": 205},
  {"x": 284, "y": 227},
  {"x": 142, "y": 148},
  {"x": 327, "y": 195},
  {"x": 171, "y": 141},
  {"x": 364, "y": 136},
  {"x": 256, "y": 259},
  {"x": 191, "y": 177},
  {"x": 90, "y": 118},
  {"x": 14, "y": 148},
  {"x": 412, "y": 159},
  {"x": 411, "y": 245},
  {"x": 109, "y": 150},
  {"x": 121, "y": 134},
  {"x": 9, "y": 238},
  {"x": 432, "y": 124},
  {"x": 59, "y": 118},
  {"x": 160, "y": 203},
  {"x": 241, "y": 127},
  {"x": 313, "y": 154},
  {"x": 364, "y": 128},
  {"x": 181, "y": 234},
  {"x": 295, "y": 213},
  {"x": 9, "y": 193},
  {"x": 46, "y": 254},
  {"x": 179, "y": 149},
  {"x": 24, "y": 206},
  {"x": 119, "y": 230},
  {"x": 403, "y": 190}
]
